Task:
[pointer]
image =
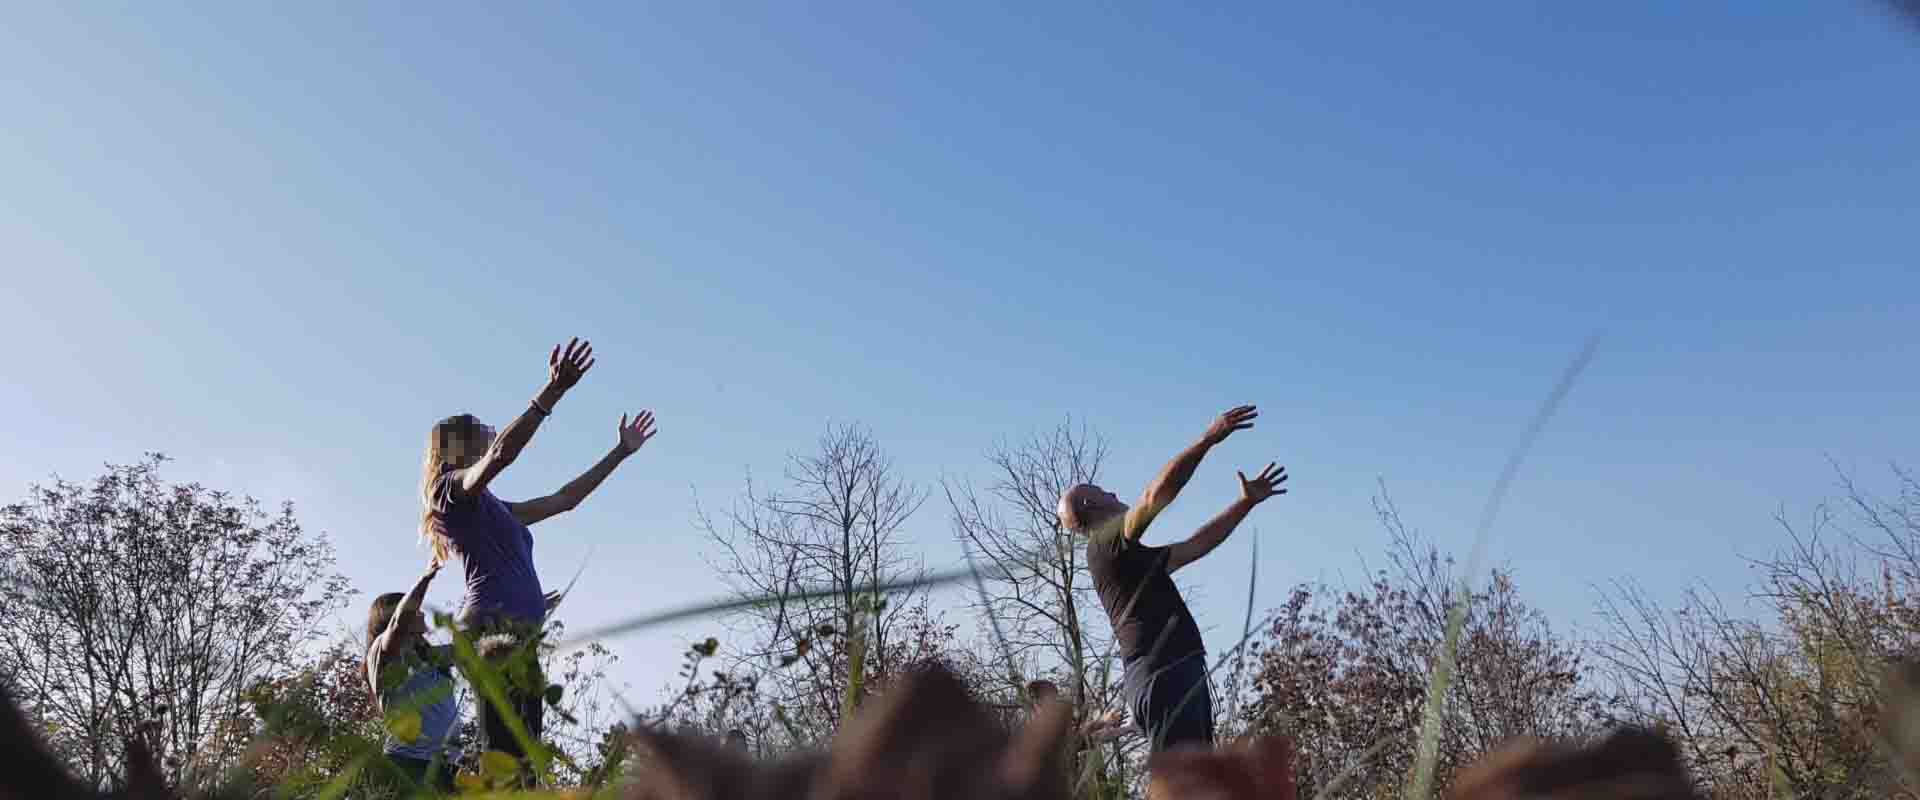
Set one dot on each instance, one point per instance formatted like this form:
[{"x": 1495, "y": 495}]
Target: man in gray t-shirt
[{"x": 1162, "y": 655}]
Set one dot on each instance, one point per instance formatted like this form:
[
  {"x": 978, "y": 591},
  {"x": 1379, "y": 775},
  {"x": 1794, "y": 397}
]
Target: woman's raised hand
[
  {"x": 636, "y": 433},
  {"x": 564, "y": 369}
]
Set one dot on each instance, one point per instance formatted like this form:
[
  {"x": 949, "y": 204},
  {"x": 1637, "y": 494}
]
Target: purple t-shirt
[{"x": 495, "y": 549}]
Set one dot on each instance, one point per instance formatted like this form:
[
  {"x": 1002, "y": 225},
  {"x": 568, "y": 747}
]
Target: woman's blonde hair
[{"x": 440, "y": 456}]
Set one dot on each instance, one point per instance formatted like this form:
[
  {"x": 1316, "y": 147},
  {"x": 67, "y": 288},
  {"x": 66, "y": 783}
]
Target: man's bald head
[{"x": 1086, "y": 506}]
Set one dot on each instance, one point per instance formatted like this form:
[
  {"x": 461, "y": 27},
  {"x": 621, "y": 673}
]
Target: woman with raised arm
[{"x": 463, "y": 518}]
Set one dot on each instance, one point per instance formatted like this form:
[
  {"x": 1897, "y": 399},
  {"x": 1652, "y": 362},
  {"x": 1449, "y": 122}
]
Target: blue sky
[{"x": 278, "y": 243}]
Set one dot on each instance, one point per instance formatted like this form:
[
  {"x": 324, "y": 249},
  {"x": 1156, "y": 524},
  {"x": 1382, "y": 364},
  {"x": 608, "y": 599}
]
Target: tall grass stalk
[{"x": 1428, "y": 753}]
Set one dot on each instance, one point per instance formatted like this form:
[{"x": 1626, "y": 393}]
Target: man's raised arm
[
  {"x": 410, "y": 604},
  {"x": 1252, "y": 493},
  {"x": 1174, "y": 477}
]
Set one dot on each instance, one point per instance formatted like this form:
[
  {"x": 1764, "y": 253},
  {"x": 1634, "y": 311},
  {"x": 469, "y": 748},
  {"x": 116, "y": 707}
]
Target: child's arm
[{"x": 410, "y": 604}]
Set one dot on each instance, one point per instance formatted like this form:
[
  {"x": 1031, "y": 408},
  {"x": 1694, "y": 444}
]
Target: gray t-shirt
[
  {"x": 422, "y": 681},
  {"x": 1150, "y": 618}
]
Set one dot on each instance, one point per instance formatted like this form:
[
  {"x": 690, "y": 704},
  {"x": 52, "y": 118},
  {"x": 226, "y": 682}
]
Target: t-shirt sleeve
[
  {"x": 1143, "y": 559},
  {"x": 444, "y": 495},
  {"x": 1131, "y": 566}
]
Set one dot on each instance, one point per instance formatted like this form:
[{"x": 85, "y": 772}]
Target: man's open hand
[
  {"x": 1235, "y": 419},
  {"x": 1264, "y": 485}
]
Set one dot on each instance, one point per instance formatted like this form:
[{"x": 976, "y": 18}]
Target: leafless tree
[
  {"x": 1789, "y": 698},
  {"x": 1038, "y": 589},
  {"x": 839, "y": 523},
  {"x": 1036, "y": 568},
  {"x": 130, "y": 601}
]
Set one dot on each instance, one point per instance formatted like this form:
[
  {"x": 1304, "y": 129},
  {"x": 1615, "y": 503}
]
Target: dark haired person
[{"x": 410, "y": 679}]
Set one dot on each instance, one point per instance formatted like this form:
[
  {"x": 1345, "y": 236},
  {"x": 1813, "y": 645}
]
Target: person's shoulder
[
  {"x": 1156, "y": 557},
  {"x": 1144, "y": 550},
  {"x": 1119, "y": 546},
  {"x": 378, "y": 661},
  {"x": 1102, "y": 548},
  {"x": 445, "y": 493},
  {"x": 1143, "y": 558}
]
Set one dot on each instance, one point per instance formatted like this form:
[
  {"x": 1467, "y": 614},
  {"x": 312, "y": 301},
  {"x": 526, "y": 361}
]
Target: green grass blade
[
  {"x": 724, "y": 606},
  {"x": 490, "y": 685},
  {"x": 337, "y": 788},
  {"x": 1421, "y": 784}
]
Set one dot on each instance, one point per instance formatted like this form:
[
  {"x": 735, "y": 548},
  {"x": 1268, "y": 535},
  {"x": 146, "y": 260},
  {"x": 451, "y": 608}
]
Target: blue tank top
[{"x": 426, "y": 688}]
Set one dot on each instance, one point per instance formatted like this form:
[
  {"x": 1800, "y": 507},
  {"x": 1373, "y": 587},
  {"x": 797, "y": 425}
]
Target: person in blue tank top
[
  {"x": 412, "y": 685},
  {"x": 462, "y": 517}
]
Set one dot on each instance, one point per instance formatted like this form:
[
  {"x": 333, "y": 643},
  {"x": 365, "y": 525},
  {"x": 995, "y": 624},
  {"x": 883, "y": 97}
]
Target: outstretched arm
[
  {"x": 1174, "y": 477},
  {"x": 563, "y": 371},
  {"x": 410, "y": 604},
  {"x": 632, "y": 437},
  {"x": 1252, "y": 493}
]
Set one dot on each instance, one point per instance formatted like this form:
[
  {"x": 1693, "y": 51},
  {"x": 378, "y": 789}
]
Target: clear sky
[{"x": 277, "y": 243}]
